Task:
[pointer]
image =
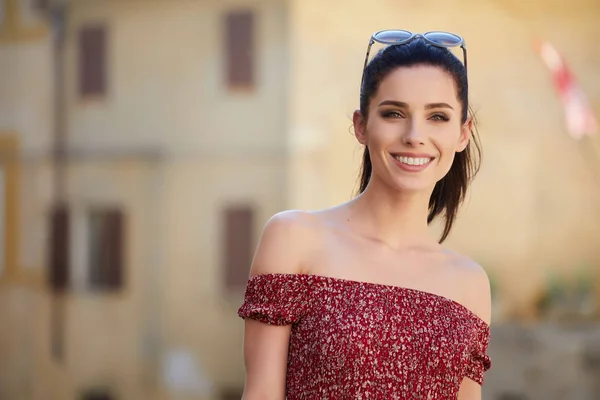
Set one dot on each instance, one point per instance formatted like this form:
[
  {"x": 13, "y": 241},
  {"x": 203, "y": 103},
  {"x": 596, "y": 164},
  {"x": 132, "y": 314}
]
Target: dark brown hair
[{"x": 450, "y": 191}]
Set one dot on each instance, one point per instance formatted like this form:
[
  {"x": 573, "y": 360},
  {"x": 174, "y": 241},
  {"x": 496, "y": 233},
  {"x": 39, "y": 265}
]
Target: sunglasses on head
[{"x": 399, "y": 36}]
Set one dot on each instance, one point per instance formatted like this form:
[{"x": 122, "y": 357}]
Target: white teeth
[{"x": 412, "y": 161}]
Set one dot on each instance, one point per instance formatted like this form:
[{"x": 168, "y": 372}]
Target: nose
[{"x": 413, "y": 136}]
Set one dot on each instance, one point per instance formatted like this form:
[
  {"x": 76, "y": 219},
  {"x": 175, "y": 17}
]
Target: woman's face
[{"x": 414, "y": 128}]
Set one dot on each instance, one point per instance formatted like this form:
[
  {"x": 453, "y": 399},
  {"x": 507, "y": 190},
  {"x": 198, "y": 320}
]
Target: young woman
[{"x": 359, "y": 301}]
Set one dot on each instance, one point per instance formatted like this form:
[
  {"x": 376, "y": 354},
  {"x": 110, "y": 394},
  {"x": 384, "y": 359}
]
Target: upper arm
[
  {"x": 479, "y": 300},
  {"x": 479, "y": 296},
  {"x": 469, "y": 390},
  {"x": 266, "y": 345}
]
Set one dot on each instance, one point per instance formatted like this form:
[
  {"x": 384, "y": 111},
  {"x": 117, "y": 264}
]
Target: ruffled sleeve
[
  {"x": 276, "y": 299},
  {"x": 479, "y": 362}
]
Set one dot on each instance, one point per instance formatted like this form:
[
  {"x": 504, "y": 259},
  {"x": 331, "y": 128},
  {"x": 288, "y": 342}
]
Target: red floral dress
[{"x": 358, "y": 340}]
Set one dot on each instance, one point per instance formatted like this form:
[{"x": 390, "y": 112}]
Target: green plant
[{"x": 555, "y": 291}]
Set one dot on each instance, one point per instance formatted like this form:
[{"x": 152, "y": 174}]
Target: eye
[
  {"x": 392, "y": 114},
  {"x": 439, "y": 118}
]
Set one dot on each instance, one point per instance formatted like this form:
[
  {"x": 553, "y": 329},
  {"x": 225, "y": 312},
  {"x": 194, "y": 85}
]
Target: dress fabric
[{"x": 359, "y": 340}]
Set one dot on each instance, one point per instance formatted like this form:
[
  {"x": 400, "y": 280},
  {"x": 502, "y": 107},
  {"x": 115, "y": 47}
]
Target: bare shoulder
[
  {"x": 475, "y": 285},
  {"x": 291, "y": 224},
  {"x": 284, "y": 243}
]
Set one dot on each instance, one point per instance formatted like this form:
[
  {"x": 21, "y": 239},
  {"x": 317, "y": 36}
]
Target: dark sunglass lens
[
  {"x": 392, "y": 36},
  {"x": 444, "y": 38}
]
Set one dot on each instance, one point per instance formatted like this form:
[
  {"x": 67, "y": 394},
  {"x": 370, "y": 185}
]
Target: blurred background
[{"x": 144, "y": 144}]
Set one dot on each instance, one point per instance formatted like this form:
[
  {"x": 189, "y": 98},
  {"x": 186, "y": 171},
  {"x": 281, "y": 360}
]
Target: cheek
[
  {"x": 444, "y": 164},
  {"x": 377, "y": 136},
  {"x": 382, "y": 134},
  {"x": 447, "y": 145},
  {"x": 449, "y": 141}
]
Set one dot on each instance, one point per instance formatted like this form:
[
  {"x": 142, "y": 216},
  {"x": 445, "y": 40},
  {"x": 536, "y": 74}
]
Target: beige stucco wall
[
  {"x": 25, "y": 124},
  {"x": 534, "y": 205},
  {"x": 167, "y": 96},
  {"x": 26, "y": 117},
  {"x": 171, "y": 146},
  {"x": 166, "y": 79}
]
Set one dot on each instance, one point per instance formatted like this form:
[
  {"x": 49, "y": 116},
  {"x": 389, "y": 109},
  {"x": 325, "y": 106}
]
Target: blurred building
[
  {"x": 145, "y": 143},
  {"x": 125, "y": 259}
]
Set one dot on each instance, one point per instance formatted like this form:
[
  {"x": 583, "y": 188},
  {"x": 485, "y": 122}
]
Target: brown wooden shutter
[
  {"x": 238, "y": 245},
  {"x": 92, "y": 60},
  {"x": 59, "y": 248},
  {"x": 114, "y": 248},
  {"x": 239, "y": 45}
]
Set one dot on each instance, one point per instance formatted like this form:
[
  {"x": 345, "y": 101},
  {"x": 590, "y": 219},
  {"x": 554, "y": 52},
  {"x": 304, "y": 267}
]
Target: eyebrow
[{"x": 401, "y": 104}]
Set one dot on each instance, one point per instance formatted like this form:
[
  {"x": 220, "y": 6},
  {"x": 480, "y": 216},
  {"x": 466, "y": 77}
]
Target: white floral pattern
[{"x": 360, "y": 340}]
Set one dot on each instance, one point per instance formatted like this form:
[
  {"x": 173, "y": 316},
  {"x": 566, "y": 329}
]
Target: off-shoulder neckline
[{"x": 376, "y": 284}]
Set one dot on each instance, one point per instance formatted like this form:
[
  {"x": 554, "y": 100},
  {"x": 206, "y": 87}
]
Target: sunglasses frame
[{"x": 411, "y": 37}]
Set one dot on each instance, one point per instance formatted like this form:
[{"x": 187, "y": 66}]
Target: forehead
[{"x": 421, "y": 84}]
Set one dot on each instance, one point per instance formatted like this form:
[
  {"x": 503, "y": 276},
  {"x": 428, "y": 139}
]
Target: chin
[
  {"x": 413, "y": 185},
  {"x": 415, "y": 188}
]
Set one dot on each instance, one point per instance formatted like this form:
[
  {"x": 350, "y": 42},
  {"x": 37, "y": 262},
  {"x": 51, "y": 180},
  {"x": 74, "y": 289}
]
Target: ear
[
  {"x": 360, "y": 127},
  {"x": 465, "y": 135}
]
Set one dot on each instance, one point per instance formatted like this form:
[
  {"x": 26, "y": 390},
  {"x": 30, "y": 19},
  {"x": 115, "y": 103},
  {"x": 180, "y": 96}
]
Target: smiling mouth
[{"x": 416, "y": 161}]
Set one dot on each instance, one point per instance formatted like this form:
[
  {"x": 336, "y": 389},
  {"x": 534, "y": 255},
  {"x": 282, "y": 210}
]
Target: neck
[{"x": 398, "y": 219}]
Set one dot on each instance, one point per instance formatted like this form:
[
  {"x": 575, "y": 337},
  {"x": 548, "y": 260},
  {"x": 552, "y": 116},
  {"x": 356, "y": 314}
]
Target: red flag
[{"x": 579, "y": 117}]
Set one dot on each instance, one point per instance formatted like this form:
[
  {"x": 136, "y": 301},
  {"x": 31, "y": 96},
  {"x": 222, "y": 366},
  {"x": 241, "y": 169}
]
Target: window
[
  {"x": 92, "y": 60},
  {"x": 105, "y": 257},
  {"x": 238, "y": 246},
  {"x": 59, "y": 248},
  {"x": 240, "y": 52},
  {"x": 102, "y": 248}
]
